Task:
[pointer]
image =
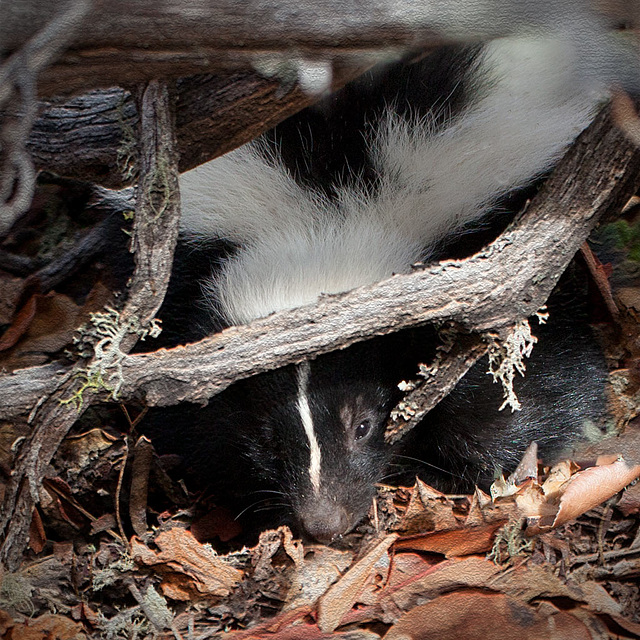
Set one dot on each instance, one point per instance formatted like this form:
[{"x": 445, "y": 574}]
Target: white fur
[
  {"x": 315, "y": 454},
  {"x": 297, "y": 245}
]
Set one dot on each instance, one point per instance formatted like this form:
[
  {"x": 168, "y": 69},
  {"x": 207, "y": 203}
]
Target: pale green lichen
[
  {"x": 107, "y": 330},
  {"x": 510, "y": 542},
  {"x": 91, "y": 382},
  {"x": 109, "y": 575},
  {"x": 16, "y": 593},
  {"x": 129, "y": 624}
]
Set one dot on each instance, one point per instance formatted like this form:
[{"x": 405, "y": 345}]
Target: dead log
[
  {"x": 93, "y": 136},
  {"x": 123, "y": 42}
]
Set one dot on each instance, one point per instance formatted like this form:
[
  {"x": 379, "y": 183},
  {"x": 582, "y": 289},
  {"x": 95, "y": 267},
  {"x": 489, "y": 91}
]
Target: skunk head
[{"x": 322, "y": 444}]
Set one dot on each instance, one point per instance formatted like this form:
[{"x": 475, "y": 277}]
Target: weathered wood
[
  {"x": 91, "y": 137},
  {"x": 155, "y": 233},
  {"x": 451, "y": 365},
  {"x": 18, "y": 106},
  {"x": 127, "y": 41},
  {"x": 22, "y": 391},
  {"x": 509, "y": 280}
]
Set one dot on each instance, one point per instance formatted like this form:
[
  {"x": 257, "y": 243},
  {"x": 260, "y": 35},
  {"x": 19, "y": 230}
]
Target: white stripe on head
[{"x": 307, "y": 423}]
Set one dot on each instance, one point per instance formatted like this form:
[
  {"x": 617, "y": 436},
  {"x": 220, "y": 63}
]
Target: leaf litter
[{"x": 552, "y": 553}]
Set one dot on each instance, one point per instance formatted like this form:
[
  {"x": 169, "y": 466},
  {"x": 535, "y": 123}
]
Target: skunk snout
[{"x": 324, "y": 520}]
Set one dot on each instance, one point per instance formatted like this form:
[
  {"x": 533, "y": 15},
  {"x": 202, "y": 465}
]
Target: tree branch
[
  {"x": 125, "y": 42},
  {"x": 155, "y": 234},
  {"x": 509, "y": 280},
  {"x": 451, "y": 365},
  {"x": 87, "y": 137}
]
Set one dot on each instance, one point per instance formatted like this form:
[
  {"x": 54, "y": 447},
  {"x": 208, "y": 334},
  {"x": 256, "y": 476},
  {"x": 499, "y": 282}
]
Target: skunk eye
[{"x": 363, "y": 429}]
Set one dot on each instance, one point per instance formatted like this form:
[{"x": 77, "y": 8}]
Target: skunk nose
[{"x": 325, "y": 521}]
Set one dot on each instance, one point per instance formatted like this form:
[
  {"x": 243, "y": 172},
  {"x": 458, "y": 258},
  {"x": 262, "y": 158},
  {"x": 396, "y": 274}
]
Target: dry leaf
[
  {"x": 82, "y": 450},
  {"x": 629, "y": 503},
  {"x": 558, "y": 476},
  {"x": 468, "y": 615},
  {"x": 46, "y": 627},
  {"x": 457, "y": 542},
  {"x": 534, "y": 504},
  {"x": 339, "y": 599},
  {"x": 20, "y": 324},
  {"x": 527, "y": 467},
  {"x": 269, "y": 544},
  {"x": 430, "y": 581},
  {"x": 588, "y": 489},
  {"x": 526, "y": 470},
  {"x": 530, "y": 582},
  {"x": 10, "y": 292},
  {"x": 428, "y": 510},
  {"x": 628, "y": 625},
  {"x": 483, "y": 510},
  {"x": 46, "y": 325},
  {"x": 191, "y": 566},
  {"x": 435, "y": 523},
  {"x": 301, "y": 630},
  {"x": 322, "y": 566},
  {"x": 37, "y": 535}
]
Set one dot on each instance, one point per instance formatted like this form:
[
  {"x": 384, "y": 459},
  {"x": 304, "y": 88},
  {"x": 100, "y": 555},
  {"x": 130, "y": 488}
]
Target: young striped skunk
[{"x": 354, "y": 189}]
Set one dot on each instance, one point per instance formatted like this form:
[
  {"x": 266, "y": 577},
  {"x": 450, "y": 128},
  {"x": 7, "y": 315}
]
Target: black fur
[
  {"x": 326, "y": 144},
  {"x": 466, "y": 442},
  {"x": 251, "y": 438}
]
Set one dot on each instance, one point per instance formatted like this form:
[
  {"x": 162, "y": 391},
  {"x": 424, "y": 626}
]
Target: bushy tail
[{"x": 295, "y": 244}]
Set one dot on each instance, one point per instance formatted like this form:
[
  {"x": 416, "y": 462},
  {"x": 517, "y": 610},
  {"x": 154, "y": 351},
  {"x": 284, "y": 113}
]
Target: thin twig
[
  {"x": 123, "y": 466},
  {"x": 54, "y": 491},
  {"x": 449, "y": 367},
  {"x": 18, "y": 104}
]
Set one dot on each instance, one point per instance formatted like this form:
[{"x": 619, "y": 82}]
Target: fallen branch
[
  {"x": 89, "y": 136},
  {"x": 509, "y": 280},
  {"x": 124, "y": 43},
  {"x": 155, "y": 234},
  {"x": 450, "y": 366}
]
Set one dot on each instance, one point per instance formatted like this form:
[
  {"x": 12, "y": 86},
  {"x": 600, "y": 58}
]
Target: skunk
[
  {"x": 306, "y": 443},
  {"x": 356, "y": 188}
]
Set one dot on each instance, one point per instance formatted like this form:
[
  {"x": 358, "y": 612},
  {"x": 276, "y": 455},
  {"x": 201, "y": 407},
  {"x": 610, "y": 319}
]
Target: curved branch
[
  {"x": 155, "y": 233},
  {"x": 126, "y": 42},
  {"x": 509, "y": 280}
]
